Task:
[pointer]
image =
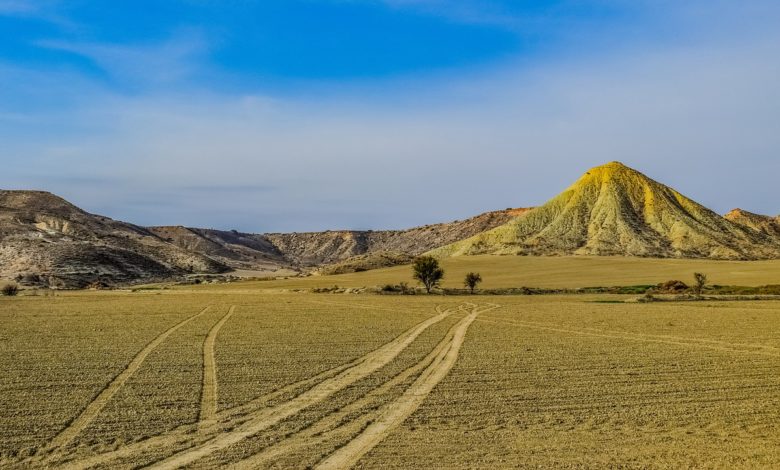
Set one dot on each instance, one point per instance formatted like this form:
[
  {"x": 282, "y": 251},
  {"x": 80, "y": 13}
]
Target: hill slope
[
  {"x": 47, "y": 237},
  {"x": 615, "y": 210},
  {"x": 761, "y": 223},
  {"x": 355, "y": 248},
  {"x": 235, "y": 249},
  {"x": 318, "y": 248}
]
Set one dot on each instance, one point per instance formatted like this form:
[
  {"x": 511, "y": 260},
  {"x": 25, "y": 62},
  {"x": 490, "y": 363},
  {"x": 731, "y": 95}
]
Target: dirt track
[
  {"x": 208, "y": 402},
  {"x": 93, "y": 409}
]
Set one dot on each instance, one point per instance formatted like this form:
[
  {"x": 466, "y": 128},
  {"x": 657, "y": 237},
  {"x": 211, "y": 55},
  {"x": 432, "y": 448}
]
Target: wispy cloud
[
  {"x": 159, "y": 63},
  {"x": 685, "y": 116},
  {"x": 701, "y": 115},
  {"x": 18, "y": 7}
]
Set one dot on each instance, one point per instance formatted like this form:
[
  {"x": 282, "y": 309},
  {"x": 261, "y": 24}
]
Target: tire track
[
  {"x": 340, "y": 421},
  {"x": 208, "y": 400},
  {"x": 398, "y": 411},
  {"x": 631, "y": 337},
  {"x": 749, "y": 346},
  {"x": 355, "y": 305},
  {"x": 92, "y": 410},
  {"x": 228, "y": 418},
  {"x": 258, "y": 419}
]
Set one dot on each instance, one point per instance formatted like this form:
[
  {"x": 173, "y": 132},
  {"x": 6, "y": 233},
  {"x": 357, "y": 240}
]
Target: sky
[{"x": 301, "y": 115}]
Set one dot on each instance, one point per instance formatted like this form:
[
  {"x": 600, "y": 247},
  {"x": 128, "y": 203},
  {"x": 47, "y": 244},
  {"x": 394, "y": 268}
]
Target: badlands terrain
[
  {"x": 612, "y": 210},
  {"x": 571, "y": 354}
]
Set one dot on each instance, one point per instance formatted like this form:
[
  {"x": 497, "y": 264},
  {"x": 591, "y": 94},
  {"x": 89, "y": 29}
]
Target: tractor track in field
[
  {"x": 676, "y": 341},
  {"x": 268, "y": 417},
  {"x": 342, "y": 421},
  {"x": 209, "y": 389},
  {"x": 252, "y": 417},
  {"x": 352, "y": 305},
  {"x": 396, "y": 412},
  {"x": 92, "y": 410}
]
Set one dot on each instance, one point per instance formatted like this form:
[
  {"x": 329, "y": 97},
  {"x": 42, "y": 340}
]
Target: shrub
[
  {"x": 673, "y": 286},
  {"x": 10, "y": 290}
]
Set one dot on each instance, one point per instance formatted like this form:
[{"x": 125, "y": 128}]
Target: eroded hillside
[
  {"x": 52, "y": 242},
  {"x": 615, "y": 210}
]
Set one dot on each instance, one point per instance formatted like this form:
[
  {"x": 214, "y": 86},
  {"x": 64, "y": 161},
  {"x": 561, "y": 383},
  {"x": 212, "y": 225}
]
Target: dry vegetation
[
  {"x": 247, "y": 376},
  {"x": 548, "y": 272}
]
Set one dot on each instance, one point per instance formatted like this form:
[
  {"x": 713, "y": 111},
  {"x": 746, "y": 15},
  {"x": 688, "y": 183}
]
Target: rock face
[
  {"x": 615, "y": 210},
  {"x": 52, "y": 242}
]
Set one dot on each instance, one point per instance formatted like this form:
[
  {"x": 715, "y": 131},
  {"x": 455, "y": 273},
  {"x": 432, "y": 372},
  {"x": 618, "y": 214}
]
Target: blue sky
[{"x": 315, "y": 114}]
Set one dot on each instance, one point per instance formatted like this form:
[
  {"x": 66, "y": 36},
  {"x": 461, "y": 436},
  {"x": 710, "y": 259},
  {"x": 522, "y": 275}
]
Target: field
[
  {"x": 248, "y": 375},
  {"x": 558, "y": 272}
]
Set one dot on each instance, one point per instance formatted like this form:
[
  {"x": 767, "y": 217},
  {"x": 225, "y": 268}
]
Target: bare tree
[{"x": 427, "y": 270}]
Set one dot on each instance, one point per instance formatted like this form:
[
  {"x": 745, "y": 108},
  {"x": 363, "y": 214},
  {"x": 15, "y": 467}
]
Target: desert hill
[
  {"x": 45, "y": 240},
  {"x": 615, "y": 210},
  {"x": 354, "y": 248},
  {"x": 232, "y": 248},
  {"x": 53, "y": 242},
  {"x": 610, "y": 210},
  {"x": 761, "y": 223},
  {"x": 318, "y": 248}
]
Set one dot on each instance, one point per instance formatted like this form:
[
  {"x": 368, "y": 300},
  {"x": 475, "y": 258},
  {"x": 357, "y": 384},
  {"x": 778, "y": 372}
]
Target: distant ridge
[
  {"x": 761, "y": 223},
  {"x": 610, "y": 210},
  {"x": 48, "y": 241},
  {"x": 615, "y": 210},
  {"x": 354, "y": 248}
]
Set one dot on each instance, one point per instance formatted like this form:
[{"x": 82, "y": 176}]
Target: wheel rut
[
  {"x": 343, "y": 421},
  {"x": 676, "y": 341},
  {"x": 186, "y": 437},
  {"x": 265, "y": 418},
  {"x": 92, "y": 410},
  {"x": 209, "y": 396},
  {"x": 395, "y": 413}
]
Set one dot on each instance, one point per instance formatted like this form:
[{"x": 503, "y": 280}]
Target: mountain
[
  {"x": 610, "y": 210},
  {"x": 47, "y": 241},
  {"x": 615, "y": 210},
  {"x": 761, "y": 223},
  {"x": 232, "y": 248},
  {"x": 318, "y": 248},
  {"x": 355, "y": 248},
  {"x": 52, "y": 242}
]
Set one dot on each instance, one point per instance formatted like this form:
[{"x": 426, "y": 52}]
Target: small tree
[
  {"x": 10, "y": 290},
  {"x": 701, "y": 281},
  {"x": 471, "y": 281},
  {"x": 426, "y": 269}
]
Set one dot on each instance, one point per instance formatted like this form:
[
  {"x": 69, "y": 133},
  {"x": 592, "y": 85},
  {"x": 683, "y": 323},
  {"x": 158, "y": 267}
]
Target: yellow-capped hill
[{"x": 615, "y": 210}]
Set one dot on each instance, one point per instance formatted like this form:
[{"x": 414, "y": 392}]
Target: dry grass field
[
  {"x": 555, "y": 272},
  {"x": 247, "y": 376}
]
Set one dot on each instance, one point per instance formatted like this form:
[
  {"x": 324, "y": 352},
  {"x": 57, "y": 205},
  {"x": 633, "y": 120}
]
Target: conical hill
[{"x": 615, "y": 210}]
